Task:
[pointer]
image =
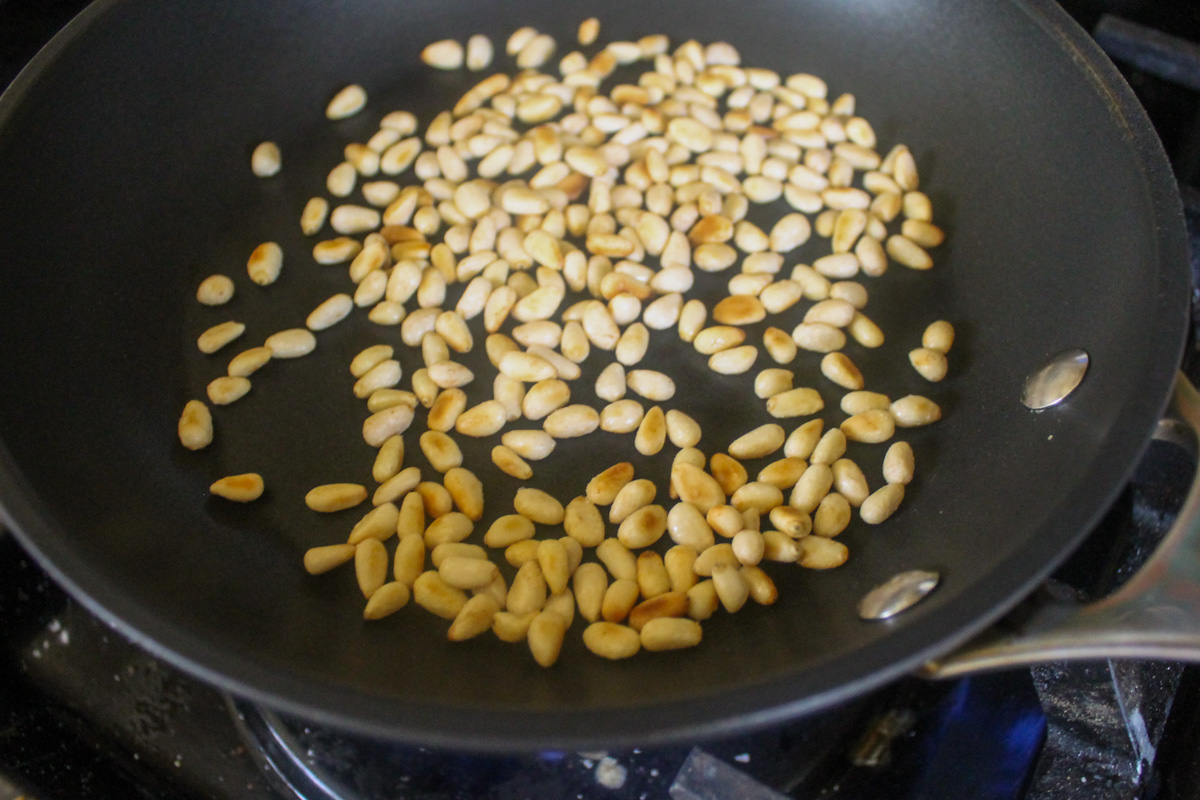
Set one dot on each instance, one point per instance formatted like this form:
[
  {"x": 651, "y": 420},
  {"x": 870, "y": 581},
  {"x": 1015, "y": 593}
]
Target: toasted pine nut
[
  {"x": 761, "y": 497},
  {"x": 632, "y": 496},
  {"x": 812, "y": 487},
  {"x": 382, "y": 425},
  {"x": 451, "y": 526},
  {"x": 239, "y": 488},
  {"x": 466, "y": 491},
  {"x": 651, "y": 433},
  {"x": 215, "y": 290},
  {"x": 841, "y": 370},
  {"x": 860, "y": 401},
  {"x": 544, "y": 397},
  {"x": 773, "y": 381},
  {"x": 799, "y": 402},
  {"x": 441, "y": 451},
  {"x": 914, "y": 410},
  {"x": 195, "y": 426},
  {"x": 610, "y": 385},
  {"x": 619, "y": 599},
  {"x": 346, "y": 103},
  {"x": 227, "y": 389},
  {"x": 265, "y": 263},
  {"x": 438, "y": 503},
  {"x": 510, "y": 463},
  {"x": 760, "y": 442},
  {"x": 670, "y": 633},
  {"x": 552, "y": 559},
  {"x": 682, "y": 429},
  {"x": 507, "y": 530},
  {"x": 739, "y": 310},
  {"x": 938, "y": 336},
  {"x": 729, "y": 474},
  {"x": 610, "y": 640},
  {"x": 388, "y": 460},
  {"x": 697, "y": 487},
  {"x": 399, "y": 484},
  {"x": 688, "y": 527},
  {"x": 643, "y": 527},
  {"x": 335, "y": 496},
  {"x": 604, "y": 488},
  {"x": 650, "y": 384},
  {"x": 931, "y": 364},
  {"x": 463, "y": 572},
  {"x": 784, "y": 473},
  {"x": 872, "y": 426},
  {"x": 622, "y": 416},
  {"x": 780, "y": 547},
  {"x": 538, "y": 506}
]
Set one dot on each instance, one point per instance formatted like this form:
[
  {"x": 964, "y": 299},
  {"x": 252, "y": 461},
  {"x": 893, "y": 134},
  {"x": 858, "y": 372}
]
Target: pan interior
[{"x": 124, "y": 181}]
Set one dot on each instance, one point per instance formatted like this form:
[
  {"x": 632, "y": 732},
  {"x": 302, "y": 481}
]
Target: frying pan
[{"x": 124, "y": 181}]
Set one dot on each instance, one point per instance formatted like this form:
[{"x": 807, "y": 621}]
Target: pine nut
[
  {"x": 650, "y": 384},
  {"x": 466, "y": 491},
  {"x": 335, "y": 251},
  {"x": 761, "y": 497},
  {"x": 697, "y": 487},
  {"x": 476, "y": 616},
  {"x": 682, "y": 430},
  {"x": 335, "y": 496},
  {"x": 938, "y": 336},
  {"x": 838, "y": 368},
  {"x": 382, "y": 425},
  {"x": 438, "y": 503},
  {"x": 818, "y": 337},
  {"x": 215, "y": 290},
  {"x": 791, "y": 521},
  {"x": 510, "y": 627},
  {"x": 882, "y": 504},
  {"x": 872, "y": 426},
  {"x": 643, "y": 527},
  {"x": 728, "y": 473},
  {"x": 319, "y": 560},
  {"x": 408, "y": 562},
  {"x": 538, "y": 506},
  {"x": 571, "y": 421},
  {"x": 446, "y": 410},
  {"x": 452, "y": 526},
  {"x": 378, "y": 523},
  {"x": 800, "y": 402},
  {"x": 265, "y": 263},
  {"x": 760, "y": 442},
  {"x": 930, "y": 364},
  {"x": 784, "y": 473},
  {"x": 510, "y": 463},
  {"x": 772, "y": 381},
  {"x": 611, "y": 641},
  {"x": 739, "y": 310},
  {"x": 436, "y": 596},
  {"x": 907, "y": 252},
  {"x": 651, "y": 433},
  {"x": 604, "y": 488},
  {"x": 865, "y": 331},
  {"x": 898, "y": 463},
  {"x": 467, "y": 573},
  {"x": 622, "y": 416},
  {"x": 914, "y": 410},
  {"x": 370, "y": 566},
  {"x": 781, "y": 547},
  {"x": 482, "y": 420},
  {"x": 670, "y": 633},
  {"x": 388, "y": 460},
  {"x": 832, "y": 516},
  {"x": 195, "y": 426},
  {"x": 619, "y": 599},
  {"x": 346, "y": 103},
  {"x": 226, "y": 390},
  {"x": 292, "y": 343},
  {"x": 545, "y": 396},
  {"x": 446, "y": 54}
]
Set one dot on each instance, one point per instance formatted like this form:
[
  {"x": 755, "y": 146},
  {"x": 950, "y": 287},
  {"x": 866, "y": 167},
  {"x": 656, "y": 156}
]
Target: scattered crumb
[
  {"x": 742, "y": 758},
  {"x": 610, "y": 774}
]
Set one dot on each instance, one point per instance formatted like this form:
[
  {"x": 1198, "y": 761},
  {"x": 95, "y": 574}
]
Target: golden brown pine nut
[
  {"x": 476, "y": 616},
  {"x": 436, "y": 596},
  {"x": 195, "y": 426},
  {"x": 611, "y": 641},
  {"x": 225, "y": 390},
  {"x": 382, "y": 425},
  {"x": 398, "y": 485},
  {"x": 378, "y": 523},
  {"x": 451, "y": 526},
  {"x": 531, "y": 444},
  {"x": 872, "y": 426},
  {"x": 370, "y": 565},
  {"x": 760, "y": 442},
  {"x": 466, "y": 491},
  {"x": 791, "y": 521},
  {"x": 619, "y": 599},
  {"x": 319, "y": 560},
  {"x": 239, "y": 488},
  {"x": 408, "y": 562}
]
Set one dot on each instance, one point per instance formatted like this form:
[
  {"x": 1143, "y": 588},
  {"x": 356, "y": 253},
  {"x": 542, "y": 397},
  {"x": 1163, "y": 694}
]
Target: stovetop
[{"x": 86, "y": 714}]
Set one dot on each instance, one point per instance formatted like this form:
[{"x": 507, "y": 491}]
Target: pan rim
[{"x": 715, "y": 713}]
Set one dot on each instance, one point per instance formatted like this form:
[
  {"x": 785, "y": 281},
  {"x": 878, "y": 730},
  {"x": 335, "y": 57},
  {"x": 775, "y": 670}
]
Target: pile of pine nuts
[{"x": 565, "y": 223}]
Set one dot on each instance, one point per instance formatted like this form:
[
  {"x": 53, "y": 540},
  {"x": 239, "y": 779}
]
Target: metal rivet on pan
[
  {"x": 1051, "y": 384},
  {"x": 901, "y": 592}
]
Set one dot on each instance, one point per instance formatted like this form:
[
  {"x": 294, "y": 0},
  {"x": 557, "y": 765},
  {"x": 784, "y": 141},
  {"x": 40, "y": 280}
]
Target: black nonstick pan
[{"x": 125, "y": 180}]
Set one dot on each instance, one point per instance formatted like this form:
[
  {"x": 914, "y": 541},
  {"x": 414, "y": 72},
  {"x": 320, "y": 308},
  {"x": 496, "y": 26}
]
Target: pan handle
[{"x": 1155, "y": 615}]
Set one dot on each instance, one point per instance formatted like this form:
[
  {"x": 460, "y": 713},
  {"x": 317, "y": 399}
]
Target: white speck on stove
[
  {"x": 610, "y": 774},
  {"x": 742, "y": 758}
]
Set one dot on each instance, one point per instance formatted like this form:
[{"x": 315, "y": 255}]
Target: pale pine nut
[
  {"x": 265, "y": 263},
  {"x": 632, "y": 345},
  {"x": 812, "y": 487},
  {"x": 528, "y": 590},
  {"x": 734, "y": 361},
  {"x": 590, "y": 583},
  {"x": 622, "y": 416},
  {"x": 545, "y": 397},
  {"x": 408, "y": 562},
  {"x": 510, "y": 463},
  {"x": 782, "y": 548},
  {"x": 538, "y": 506},
  {"x": 801, "y": 442},
  {"x": 479, "y": 53},
  {"x": 849, "y": 481},
  {"x": 336, "y": 251},
  {"x": 907, "y": 252},
  {"x": 378, "y": 523},
  {"x": 930, "y": 364},
  {"x": 292, "y": 343},
  {"x": 882, "y": 504},
  {"x": 319, "y": 560},
  {"x": 898, "y": 463},
  {"x": 225, "y": 390},
  {"x": 195, "y": 426},
  {"x": 531, "y": 444},
  {"x": 369, "y": 358},
  {"x": 449, "y": 374},
  {"x": 632, "y": 496},
  {"x": 510, "y": 627},
  {"x": 872, "y": 426},
  {"x": 218, "y": 336},
  {"x": 938, "y": 336},
  {"x": 572, "y": 421},
  {"x": 838, "y": 368},
  {"x": 388, "y": 460},
  {"x": 434, "y": 595},
  {"x": 330, "y": 312},
  {"x": 370, "y": 565},
  {"x": 834, "y": 312},
  {"x": 760, "y": 442},
  {"x": 772, "y": 381},
  {"x": 748, "y": 546},
  {"x": 346, "y": 103},
  {"x": 682, "y": 430},
  {"x": 552, "y": 560},
  {"x": 382, "y": 425},
  {"x": 610, "y": 384},
  {"x": 818, "y": 337},
  {"x": 832, "y": 516},
  {"x": 341, "y": 179},
  {"x": 841, "y": 266},
  {"x": 476, "y": 616},
  {"x": 760, "y": 497},
  {"x": 914, "y": 411},
  {"x": 717, "y": 338},
  {"x": 651, "y": 433},
  {"x": 215, "y": 290},
  {"x": 650, "y": 384},
  {"x": 664, "y": 312},
  {"x": 670, "y": 633},
  {"x": 610, "y": 640},
  {"x": 916, "y": 206},
  {"x": 691, "y": 319},
  {"x": 688, "y": 528},
  {"x": 445, "y": 54},
  {"x": 817, "y": 552},
  {"x": 780, "y": 296},
  {"x": 467, "y": 573},
  {"x": 424, "y": 388},
  {"x": 865, "y": 331},
  {"x": 335, "y": 496}
]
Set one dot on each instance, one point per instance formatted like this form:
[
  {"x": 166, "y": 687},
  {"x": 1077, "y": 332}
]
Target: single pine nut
[
  {"x": 538, "y": 506},
  {"x": 388, "y": 460},
  {"x": 572, "y": 421},
  {"x": 611, "y": 641},
  {"x": 610, "y": 385},
  {"x": 370, "y": 566},
  {"x": 688, "y": 528},
  {"x": 817, "y": 552},
  {"x": 682, "y": 430},
  {"x": 347, "y": 102},
  {"x": 510, "y": 463},
  {"x": 619, "y": 599},
  {"x": 651, "y": 385},
  {"x": 670, "y": 633},
  {"x": 812, "y": 487},
  {"x": 914, "y": 410},
  {"x": 622, "y": 416},
  {"x": 544, "y": 397},
  {"x": 882, "y": 504},
  {"x": 651, "y": 433},
  {"x": 482, "y": 420},
  {"x": 760, "y": 442},
  {"x": 860, "y": 401},
  {"x": 226, "y": 390},
  {"x": 378, "y": 523},
  {"x": 265, "y": 263},
  {"x": 510, "y": 627},
  {"x": 335, "y": 496},
  {"x": 466, "y": 491},
  {"x": 832, "y": 516},
  {"x": 239, "y": 488},
  {"x": 604, "y": 488},
  {"x": 479, "y": 53},
  {"x": 739, "y": 310},
  {"x": 907, "y": 252},
  {"x": 446, "y": 409},
  {"x": 938, "y": 336},
  {"x": 799, "y": 402},
  {"x": 531, "y": 444},
  {"x": 791, "y": 521},
  {"x": 702, "y": 600},
  {"x": 784, "y": 473},
  {"x": 780, "y": 547},
  {"x": 382, "y": 425},
  {"x": 441, "y": 451},
  {"x": 930, "y": 363},
  {"x": 729, "y": 474},
  {"x": 408, "y": 562},
  {"x": 451, "y": 526},
  {"x": 761, "y": 497},
  {"x": 195, "y": 426},
  {"x": 476, "y": 616},
  {"x": 658, "y": 605},
  {"x": 838, "y": 368},
  {"x": 336, "y": 251},
  {"x": 319, "y": 560},
  {"x": 643, "y": 527},
  {"x": 802, "y": 440},
  {"x": 872, "y": 426},
  {"x": 436, "y": 596},
  {"x": 463, "y": 572},
  {"x": 818, "y": 337},
  {"x": 773, "y": 381},
  {"x": 291, "y": 343},
  {"x": 215, "y": 290},
  {"x": 697, "y": 487},
  {"x": 446, "y": 54},
  {"x": 898, "y": 463}
]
